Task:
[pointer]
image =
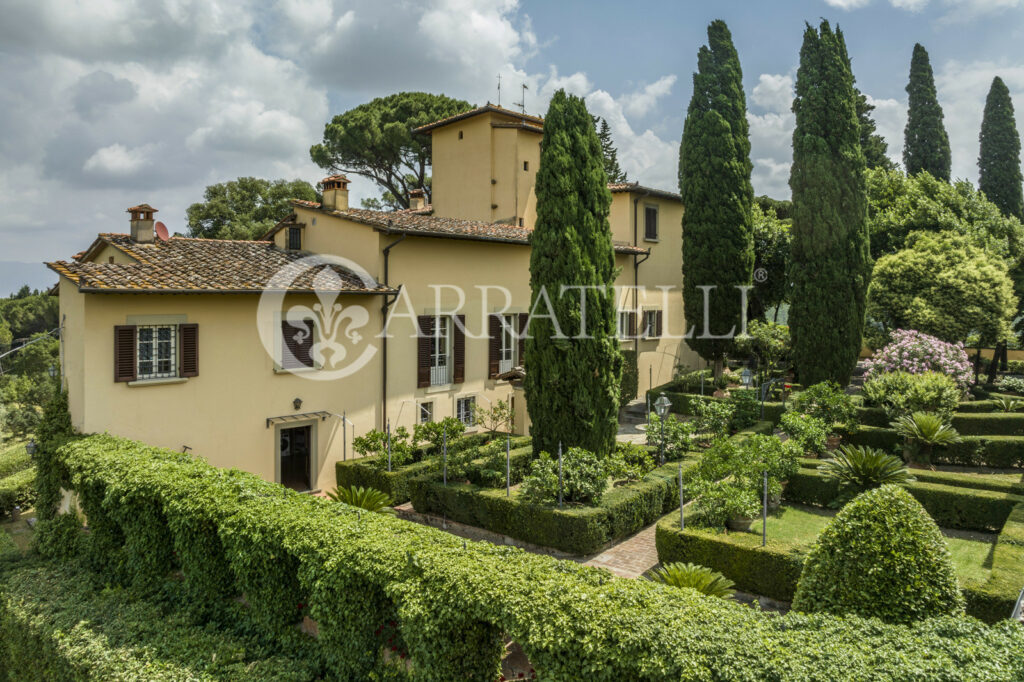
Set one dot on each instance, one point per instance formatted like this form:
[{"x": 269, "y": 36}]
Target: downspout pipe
[
  {"x": 636, "y": 273},
  {"x": 388, "y": 300}
]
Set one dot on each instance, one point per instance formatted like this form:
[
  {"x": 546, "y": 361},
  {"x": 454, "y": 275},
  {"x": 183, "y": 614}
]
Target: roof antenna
[
  {"x": 522, "y": 105},
  {"x": 499, "y": 89}
]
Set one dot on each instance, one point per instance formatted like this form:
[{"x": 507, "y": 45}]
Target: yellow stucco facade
[{"x": 233, "y": 410}]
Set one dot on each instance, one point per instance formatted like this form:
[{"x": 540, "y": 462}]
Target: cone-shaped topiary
[{"x": 882, "y": 556}]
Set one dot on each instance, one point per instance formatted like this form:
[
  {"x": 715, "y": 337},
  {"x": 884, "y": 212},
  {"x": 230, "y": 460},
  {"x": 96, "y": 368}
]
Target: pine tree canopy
[
  {"x": 926, "y": 144},
  {"x": 572, "y": 370},
  {"x": 999, "y": 175},
  {"x": 608, "y": 151},
  {"x": 714, "y": 181},
  {"x": 829, "y": 262}
]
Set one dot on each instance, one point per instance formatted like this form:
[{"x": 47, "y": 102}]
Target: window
[
  {"x": 651, "y": 324},
  {"x": 460, "y": 134},
  {"x": 507, "y": 347},
  {"x": 651, "y": 223},
  {"x": 464, "y": 408},
  {"x": 426, "y": 413},
  {"x": 526, "y": 165},
  {"x": 294, "y": 238},
  {"x": 625, "y": 324},
  {"x": 440, "y": 353},
  {"x": 520, "y": 222},
  {"x": 296, "y": 344},
  {"x": 157, "y": 352}
]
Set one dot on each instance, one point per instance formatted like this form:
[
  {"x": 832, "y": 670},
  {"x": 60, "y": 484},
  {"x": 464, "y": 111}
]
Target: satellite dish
[{"x": 161, "y": 231}]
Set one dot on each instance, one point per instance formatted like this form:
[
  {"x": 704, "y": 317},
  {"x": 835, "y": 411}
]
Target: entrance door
[{"x": 295, "y": 457}]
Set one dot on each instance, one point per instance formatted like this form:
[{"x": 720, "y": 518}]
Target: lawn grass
[{"x": 972, "y": 555}]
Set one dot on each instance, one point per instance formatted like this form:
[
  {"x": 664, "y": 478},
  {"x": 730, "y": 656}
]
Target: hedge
[
  {"x": 1000, "y": 483},
  {"x": 950, "y": 507},
  {"x": 995, "y": 598},
  {"x": 395, "y": 483},
  {"x": 686, "y": 403},
  {"x": 1001, "y": 452},
  {"x": 452, "y": 603},
  {"x": 989, "y": 424},
  {"x": 18, "y": 490},
  {"x": 54, "y": 625},
  {"x": 14, "y": 459},
  {"x": 771, "y": 571}
]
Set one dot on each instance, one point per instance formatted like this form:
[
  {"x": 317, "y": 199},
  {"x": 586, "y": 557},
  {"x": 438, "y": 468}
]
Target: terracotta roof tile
[
  {"x": 526, "y": 118},
  {"x": 184, "y": 265},
  {"x": 615, "y": 187},
  {"x": 416, "y": 223}
]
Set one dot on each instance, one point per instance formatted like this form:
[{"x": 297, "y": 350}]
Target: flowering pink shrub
[{"x": 916, "y": 353}]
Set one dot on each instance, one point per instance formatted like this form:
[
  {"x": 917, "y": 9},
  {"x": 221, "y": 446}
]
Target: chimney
[
  {"x": 335, "y": 193},
  {"x": 142, "y": 223},
  {"x": 417, "y": 199}
]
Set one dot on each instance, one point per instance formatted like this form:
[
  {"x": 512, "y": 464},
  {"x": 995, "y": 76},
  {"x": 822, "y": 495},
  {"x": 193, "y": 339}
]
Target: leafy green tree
[
  {"x": 771, "y": 256},
  {"x": 608, "y": 151},
  {"x": 783, "y": 207},
  {"x": 245, "y": 208},
  {"x": 999, "y": 175},
  {"x": 30, "y": 314},
  {"x": 375, "y": 140},
  {"x": 899, "y": 204},
  {"x": 572, "y": 357},
  {"x": 943, "y": 285},
  {"x": 714, "y": 180},
  {"x": 926, "y": 144},
  {"x": 871, "y": 143},
  {"x": 830, "y": 264},
  {"x": 5, "y": 335}
]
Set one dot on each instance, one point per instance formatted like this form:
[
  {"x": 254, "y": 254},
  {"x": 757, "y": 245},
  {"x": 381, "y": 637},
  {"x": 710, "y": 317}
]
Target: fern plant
[
  {"x": 859, "y": 468},
  {"x": 700, "y": 578},
  {"x": 369, "y": 499},
  {"x": 921, "y": 432},
  {"x": 1008, "y": 404}
]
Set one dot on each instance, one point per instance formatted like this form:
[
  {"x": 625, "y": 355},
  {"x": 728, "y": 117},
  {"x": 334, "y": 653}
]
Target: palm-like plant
[
  {"x": 921, "y": 432},
  {"x": 864, "y": 468},
  {"x": 1008, "y": 404},
  {"x": 369, "y": 499},
  {"x": 700, "y": 578}
]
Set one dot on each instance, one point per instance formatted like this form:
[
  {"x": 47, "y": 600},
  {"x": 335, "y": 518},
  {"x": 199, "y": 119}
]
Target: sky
[{"x": 109, "y": 103}]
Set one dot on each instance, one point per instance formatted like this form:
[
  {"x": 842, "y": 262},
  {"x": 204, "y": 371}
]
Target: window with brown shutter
[
  {"x": 657, "y": 323},
  {"x": 297, "y": 344},
  {"x": 423, "y": 347},
  {"x": 524, "y": 320},
  {"x": 189, "y": 350},
  {"x": 459, "y": 349},
  {"x": 124, "y": 353},
  {"x": 493, "y": 345}
]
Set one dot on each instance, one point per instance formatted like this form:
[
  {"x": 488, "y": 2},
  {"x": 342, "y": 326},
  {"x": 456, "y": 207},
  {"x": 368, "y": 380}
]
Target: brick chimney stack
[
  {"x": 417, "y": 199},
  {"x": 335, "y": 193},
  {"x": 142, "y": 223}
]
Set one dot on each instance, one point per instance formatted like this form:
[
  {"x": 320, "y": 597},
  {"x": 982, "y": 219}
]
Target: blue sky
[{"x": 111, "y": 103}]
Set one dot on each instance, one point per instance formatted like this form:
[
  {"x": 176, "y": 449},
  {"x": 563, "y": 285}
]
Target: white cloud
[
  {"x": 644, "y": 100},
  {"x": 774, "y": 92},
  {"x": 848, "y": 4},
  {"x": 116, "y": 160},
  {"x": 644, "y": 156},
  {"x": 890, "y": 116},
  {"x": 910, "y": 5}
]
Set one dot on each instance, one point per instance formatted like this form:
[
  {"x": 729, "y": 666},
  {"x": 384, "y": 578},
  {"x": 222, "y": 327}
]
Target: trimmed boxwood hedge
[
  {"x": 967, "y": 423},
  {"x": 686, "y": 403},
  {"x": 396, "y": 482},
  {"x": 17, "y": 490},
  {"x": 950, "y": 507},
  {"x": 1000, "y": 483},
  {"x": 13, "y": 459},
  {"x": 452, "y": 604},
  {"x": 54, "y": 625},
  {"x": 994, "y": 599},
  {"x": 1001, "y": 452}
]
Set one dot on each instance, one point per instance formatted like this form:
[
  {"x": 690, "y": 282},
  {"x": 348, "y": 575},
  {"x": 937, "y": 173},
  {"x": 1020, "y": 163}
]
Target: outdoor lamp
[
  {"x": 661, "y": 405},
  {"x": 297, "y": 403},
  {"x": 30, "y": 447},
  {"x": 747, "y": 377},
  {"x": 53, "y": 371}
]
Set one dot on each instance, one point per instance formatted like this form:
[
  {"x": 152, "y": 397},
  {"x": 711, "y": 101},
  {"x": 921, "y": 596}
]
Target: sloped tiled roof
[
  {"x": 416, "y": 223},
  {"x": 493, "y": 108},
  {"x": 615, "y": 187},
  {"x": 185, "y": 265}
]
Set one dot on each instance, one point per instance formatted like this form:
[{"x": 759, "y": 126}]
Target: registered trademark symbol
[{"x": 760, "y": 275}]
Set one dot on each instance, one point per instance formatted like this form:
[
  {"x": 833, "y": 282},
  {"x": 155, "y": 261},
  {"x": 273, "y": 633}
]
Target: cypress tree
[
  {"x": 830, "y": 263},
  {"x": 925, "y": 142},
  {"x": 714, "y": 180},
  {"x": 999, "y": 175},
  {"x": 608, "y": 151},
  {"x": 572, "y": 378}
]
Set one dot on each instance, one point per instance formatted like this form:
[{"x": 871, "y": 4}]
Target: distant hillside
[{"x": 14, "y": 275}]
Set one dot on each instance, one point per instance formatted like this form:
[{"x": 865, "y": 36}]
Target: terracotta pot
[
  {"x": 740, "y": 524},
  {"x": 720, "y": 394},
  {"x": 833, "y": 442}
]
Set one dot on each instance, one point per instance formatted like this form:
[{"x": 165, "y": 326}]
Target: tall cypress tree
[
  {"x": 925, "y": 142},
  {"x": 830, "y": 263},
  {"x": 572, "y": 377},
  {"x": 611, "y": 155},
  {"x": 714, "y": 180},
  {"x": 999, "y": 175}
]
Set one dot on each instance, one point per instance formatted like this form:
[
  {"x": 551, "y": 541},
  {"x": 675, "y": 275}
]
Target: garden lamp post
[
  {"x": 53, "y": 371},
  {"x": 30, "y": 447},
  {"x": 747, "y": 377},
  {"x": 661, "y": 406}
]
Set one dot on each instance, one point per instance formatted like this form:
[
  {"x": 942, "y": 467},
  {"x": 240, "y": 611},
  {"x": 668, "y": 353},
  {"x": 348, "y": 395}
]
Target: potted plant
[
  {"x": 722, "y": 504},
  {"x": 921, "y": 432}
]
